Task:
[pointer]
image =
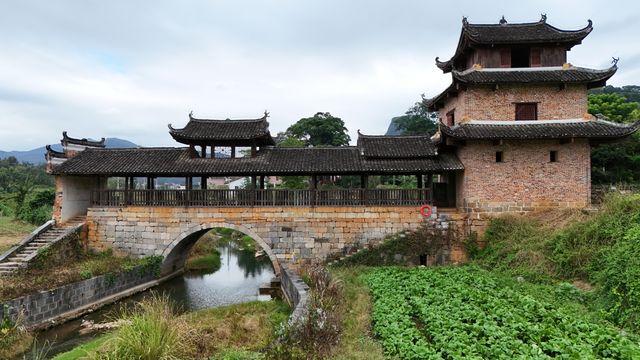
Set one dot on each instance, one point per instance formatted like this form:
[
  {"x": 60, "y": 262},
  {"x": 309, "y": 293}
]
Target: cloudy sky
[{"x": 128, "y": 68}]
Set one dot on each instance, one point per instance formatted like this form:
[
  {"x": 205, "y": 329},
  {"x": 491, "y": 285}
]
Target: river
[{"x": 240, "y": 276}]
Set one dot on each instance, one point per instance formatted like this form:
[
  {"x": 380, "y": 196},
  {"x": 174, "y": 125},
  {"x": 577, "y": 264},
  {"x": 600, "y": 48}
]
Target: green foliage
[
  {"x": 580, "y": 249},
  {"x": 619, "y": 279},
  {"x": 466, "y": 312},
  {"x": 620, "y": 162},
  {"x": 518, "y": 246},
  {"x": 209, "y": 263},
  {"x": 151, "y": 265},
  {"x": 152, "y": 331},
  {"x": 631, "y": 92},
  {"x": 417, "y": 121},
  {"x": 239, "y": 355},
  {"x": 613, "y": 106},
  {"x": 322, "y": 129}
]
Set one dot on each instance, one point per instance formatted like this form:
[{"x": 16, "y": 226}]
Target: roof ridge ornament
[
  {"x": 543, "y": 18},
  {"x": 614, "y": 60},
  {"x": 503, "y": 21},
  {"x": 465, "y": 22},
  {"x": 266, "y": 114}
]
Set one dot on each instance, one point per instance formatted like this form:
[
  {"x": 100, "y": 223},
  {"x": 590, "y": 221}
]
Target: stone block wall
[
  {"x": 290, "y": 235},
  {"x": 485, "y": 103},
  {"x": 44, "y": 306},
  {"x": 296, "y": 293}
]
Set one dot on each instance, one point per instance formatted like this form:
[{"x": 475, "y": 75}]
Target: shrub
[
  {"x": 619, "y": 291},
  {"x": 319, "y": 331}
]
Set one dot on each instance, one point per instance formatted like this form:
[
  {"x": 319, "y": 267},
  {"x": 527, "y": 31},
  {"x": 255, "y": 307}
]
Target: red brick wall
[
  {"x": 526, "y": 180},
  {"x": 484, "y": 103}
]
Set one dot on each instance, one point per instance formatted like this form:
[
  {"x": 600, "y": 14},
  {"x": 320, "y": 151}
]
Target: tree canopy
[
  {"x": 620, "y": 162},
  {"x": 614, "y": 106},
  {"x": 417, "y": 121},
  {"x": 322, "y": 129}
]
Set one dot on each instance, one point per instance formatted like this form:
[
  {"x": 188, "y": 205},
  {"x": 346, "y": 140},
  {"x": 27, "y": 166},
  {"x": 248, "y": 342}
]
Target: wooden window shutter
[
  {"x": 505, "y": 58},
  {"x": 451, "y": 118},
  {"x": 535, "y": 59},
  {"x": 527, "y": 111}
]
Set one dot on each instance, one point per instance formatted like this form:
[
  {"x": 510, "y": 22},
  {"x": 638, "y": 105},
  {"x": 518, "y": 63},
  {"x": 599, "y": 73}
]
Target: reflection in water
[{"x": 237, "y": 280}]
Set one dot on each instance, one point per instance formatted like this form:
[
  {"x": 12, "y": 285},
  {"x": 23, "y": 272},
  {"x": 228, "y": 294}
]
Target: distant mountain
[
  {"x": 393, "y": 128},
  {"x": 36, "y": 156}
]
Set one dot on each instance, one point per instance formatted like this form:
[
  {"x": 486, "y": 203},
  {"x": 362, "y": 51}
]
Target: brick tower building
[{"x": 516, "y": 116}]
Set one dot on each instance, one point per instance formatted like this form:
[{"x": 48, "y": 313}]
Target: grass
[
  {"x": 204, "y": 263},
  {"x": 84, "y": 349},
  {"x": 356, "y": 342},
  {"x": 157, "y": 331},
  {"x": 12, "y": 232},
  {"x": 34, "y": 279},
  {"x": 248, "y": 326}
]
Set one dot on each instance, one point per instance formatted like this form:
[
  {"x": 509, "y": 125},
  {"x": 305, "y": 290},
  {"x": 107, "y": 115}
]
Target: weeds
[
  {"x": 14, "y": 337},
  {"x": 153, "y": 331},
  {"x": 318, "y": 333}
]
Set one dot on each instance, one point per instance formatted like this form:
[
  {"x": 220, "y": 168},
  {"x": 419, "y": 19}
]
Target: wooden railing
[{"x": 270, "y": 197}]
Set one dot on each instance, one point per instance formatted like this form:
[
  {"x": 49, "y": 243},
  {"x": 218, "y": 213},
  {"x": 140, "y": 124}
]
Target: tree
[
  {"x": 417, "y": 121},
  {"x": 613, "y": 106},
  {"x": 614, "y": 163},
  {"x": 322, "y": 129}
]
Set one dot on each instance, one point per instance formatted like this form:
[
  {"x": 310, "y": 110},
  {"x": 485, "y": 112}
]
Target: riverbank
[{"x": 234, "y": 331}]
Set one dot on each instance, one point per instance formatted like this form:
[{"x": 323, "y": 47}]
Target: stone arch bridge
[{"x": 289, "y": 235}]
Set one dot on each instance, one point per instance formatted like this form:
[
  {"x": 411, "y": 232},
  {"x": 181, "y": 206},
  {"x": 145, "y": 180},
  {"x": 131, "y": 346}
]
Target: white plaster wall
[{"x": 76, "y": 195}]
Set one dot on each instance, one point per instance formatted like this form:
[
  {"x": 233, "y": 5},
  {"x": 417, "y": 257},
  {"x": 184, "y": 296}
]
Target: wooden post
[
  {"x": 188, "y": 185},
  {"x": 192, "y": 149},
  {"x": 262, "y": 182},
  {"x": 233, "y": 152},
  {"x": 430, "y": 186},
  {"x": 313, "y": 184},
  {"x": 253, "y": 151},
  {"x": 203, "y": 183},
  {"x": 203, "y": 154},
  {"x": 213, "y": 151},
  {"x": 364, "y": 184}
]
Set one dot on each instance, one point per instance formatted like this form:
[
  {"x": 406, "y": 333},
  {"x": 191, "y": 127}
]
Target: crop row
[{"x": 470, "y": 313}]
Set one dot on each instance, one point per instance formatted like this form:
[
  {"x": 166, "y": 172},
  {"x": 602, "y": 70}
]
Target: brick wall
[
  {"x": 526, "y": 180},
  {"x": 484, "y": 103},
  {"x": 291, "y": 235}
]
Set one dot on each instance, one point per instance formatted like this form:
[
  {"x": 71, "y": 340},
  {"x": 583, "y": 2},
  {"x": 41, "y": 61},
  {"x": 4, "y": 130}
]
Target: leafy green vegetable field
[{"x": 467, "y": 312}]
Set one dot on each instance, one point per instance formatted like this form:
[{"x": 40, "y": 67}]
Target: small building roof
[
  {"x": 536, "y": 75},
  {"x": 52, "y": 153},
  {"x": 397, "y": 147},
  {"x": 169, "y": 162},
  {"x": 84, "y": 141},
  {"x": 538, "y": 129},
  {"x": 504, "y": 33},
  {"x": 245, "y": 132}
]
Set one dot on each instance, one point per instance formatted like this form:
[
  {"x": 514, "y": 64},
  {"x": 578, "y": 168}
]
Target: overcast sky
[{"x": 128, "y": 68}]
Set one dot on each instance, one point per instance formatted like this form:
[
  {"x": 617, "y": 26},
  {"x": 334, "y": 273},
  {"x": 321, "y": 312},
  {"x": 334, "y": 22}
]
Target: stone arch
[{"x": 175, "y": 254}]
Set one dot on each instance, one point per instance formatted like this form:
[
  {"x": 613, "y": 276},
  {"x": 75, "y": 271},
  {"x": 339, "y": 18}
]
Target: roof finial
[
  {"x": 465, "y": 22},
  {"x": 191, "y": 114},
  {"x": 543, "y": 18},
  {"x": 615, "y": 60},
  {"x": 266, "y": 114},
  {"x": 503, "y": 20}
]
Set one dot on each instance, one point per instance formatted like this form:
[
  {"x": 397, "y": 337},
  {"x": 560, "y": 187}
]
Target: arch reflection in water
[{"x": 238, "y": 280}]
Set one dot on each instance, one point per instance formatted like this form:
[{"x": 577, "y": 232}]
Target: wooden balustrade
[{"x": 269, "y": 197}]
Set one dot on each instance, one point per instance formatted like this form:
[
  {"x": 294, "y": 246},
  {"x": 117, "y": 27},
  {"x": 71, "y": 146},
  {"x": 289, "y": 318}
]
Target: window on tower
[{"x": 526, "y": 111}]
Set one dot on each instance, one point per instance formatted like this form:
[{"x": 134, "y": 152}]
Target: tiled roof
[
  {"x": 522, "y": 130},
  {"x": 504, "y": 33},
  {"x": 398, "y": 147},
  {"x": 84, "y": 141},
  {"x": 171, "y": 162},
  {"x": 562, "y": 75},
  {"x": 541, "y": 75},
  {"x": 224, "y": 132}
]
